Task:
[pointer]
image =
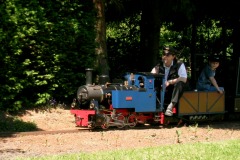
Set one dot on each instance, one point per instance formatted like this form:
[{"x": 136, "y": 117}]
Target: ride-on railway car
[{"x": 138, "y": 100}]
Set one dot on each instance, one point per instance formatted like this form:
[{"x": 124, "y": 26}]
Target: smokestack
[{"x": 89, "y": 76}]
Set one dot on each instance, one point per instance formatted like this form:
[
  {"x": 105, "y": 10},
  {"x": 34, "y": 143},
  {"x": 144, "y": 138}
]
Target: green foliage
[
  {"x": 123, "y": 40},
  {"x": 210, "y": 32},
  {"x": 46, "y": 46}
]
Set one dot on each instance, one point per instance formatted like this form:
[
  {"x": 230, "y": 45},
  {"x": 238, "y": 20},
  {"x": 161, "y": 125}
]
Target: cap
[
  {"x": 169, "y": 51},
  {"x": 214, "y": 58}
]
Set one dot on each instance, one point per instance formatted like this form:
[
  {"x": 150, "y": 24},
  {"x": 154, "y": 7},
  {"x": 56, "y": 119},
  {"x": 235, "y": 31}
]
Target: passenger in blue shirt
[{"x": 206, "y": 80}]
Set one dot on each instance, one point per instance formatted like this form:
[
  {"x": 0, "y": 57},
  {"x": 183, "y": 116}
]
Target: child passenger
[{"x": 206, "y": 80}]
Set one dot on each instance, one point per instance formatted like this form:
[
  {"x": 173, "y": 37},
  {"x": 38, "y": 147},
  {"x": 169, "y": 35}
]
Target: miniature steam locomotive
[{"x": 139, "y": 99}]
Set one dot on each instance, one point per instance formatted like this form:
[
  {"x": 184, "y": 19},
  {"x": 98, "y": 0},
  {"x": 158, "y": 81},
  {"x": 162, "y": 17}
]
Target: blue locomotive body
[{"x": 142, "y": 98}]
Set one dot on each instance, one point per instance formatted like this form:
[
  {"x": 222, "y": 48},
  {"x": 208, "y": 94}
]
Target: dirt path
[{"x": 60, "y": 119}]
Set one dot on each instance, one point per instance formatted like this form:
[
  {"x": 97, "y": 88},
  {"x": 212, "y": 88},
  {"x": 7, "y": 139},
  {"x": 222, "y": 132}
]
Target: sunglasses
[{"x": 166, "y": 54}]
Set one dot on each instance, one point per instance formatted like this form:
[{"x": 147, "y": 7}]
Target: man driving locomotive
[{"x": 175, "y": 77}]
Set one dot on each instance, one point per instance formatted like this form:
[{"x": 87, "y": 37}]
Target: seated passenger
[
  {"x": 175, "y": 77},
  {"x": 206, "y": 80}
]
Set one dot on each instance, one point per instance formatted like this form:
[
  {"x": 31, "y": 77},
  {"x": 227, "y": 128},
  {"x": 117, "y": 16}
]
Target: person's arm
[
  {"x": 214, "y": 82},
  {"x": 173, "y": 81},
  {"x": 153, "y": 70},
  {"x": 182, "y": 72}
]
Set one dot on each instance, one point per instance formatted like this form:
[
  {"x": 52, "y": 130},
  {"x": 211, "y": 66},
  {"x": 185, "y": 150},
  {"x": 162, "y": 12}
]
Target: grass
[{"x": 197, "y": 151}]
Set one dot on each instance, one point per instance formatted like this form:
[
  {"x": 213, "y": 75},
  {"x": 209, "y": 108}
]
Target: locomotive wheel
[
  {"x": 91, "y": 126},
  {"x": 132, "y": 120},
  {"x": 121, "y": 120},
  {"x": 105, "y": 124}
]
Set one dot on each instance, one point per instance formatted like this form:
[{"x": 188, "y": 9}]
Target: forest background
[{"x": 47, "y": 45}]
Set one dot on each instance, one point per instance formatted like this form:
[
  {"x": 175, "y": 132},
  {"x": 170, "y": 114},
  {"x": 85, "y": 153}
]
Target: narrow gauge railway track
[
  {"x": 220, "y": 124},
  {"x": 35, "y": 133},
  {"x": 31, "y": 133}
]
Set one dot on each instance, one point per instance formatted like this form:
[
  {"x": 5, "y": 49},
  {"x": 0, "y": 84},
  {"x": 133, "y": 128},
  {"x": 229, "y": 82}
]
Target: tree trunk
[
  {"x": 150, "y": 35},
  {"x": 236, "y": 56},
  {"x": 194, "y": 70},
  {"x": 101, "y": 49}
]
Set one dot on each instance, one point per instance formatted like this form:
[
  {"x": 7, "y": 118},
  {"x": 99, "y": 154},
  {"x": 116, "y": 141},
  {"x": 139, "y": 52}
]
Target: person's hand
[
  {"x": 220, "y": 91},
  {"x": 167, "y": 84}
]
